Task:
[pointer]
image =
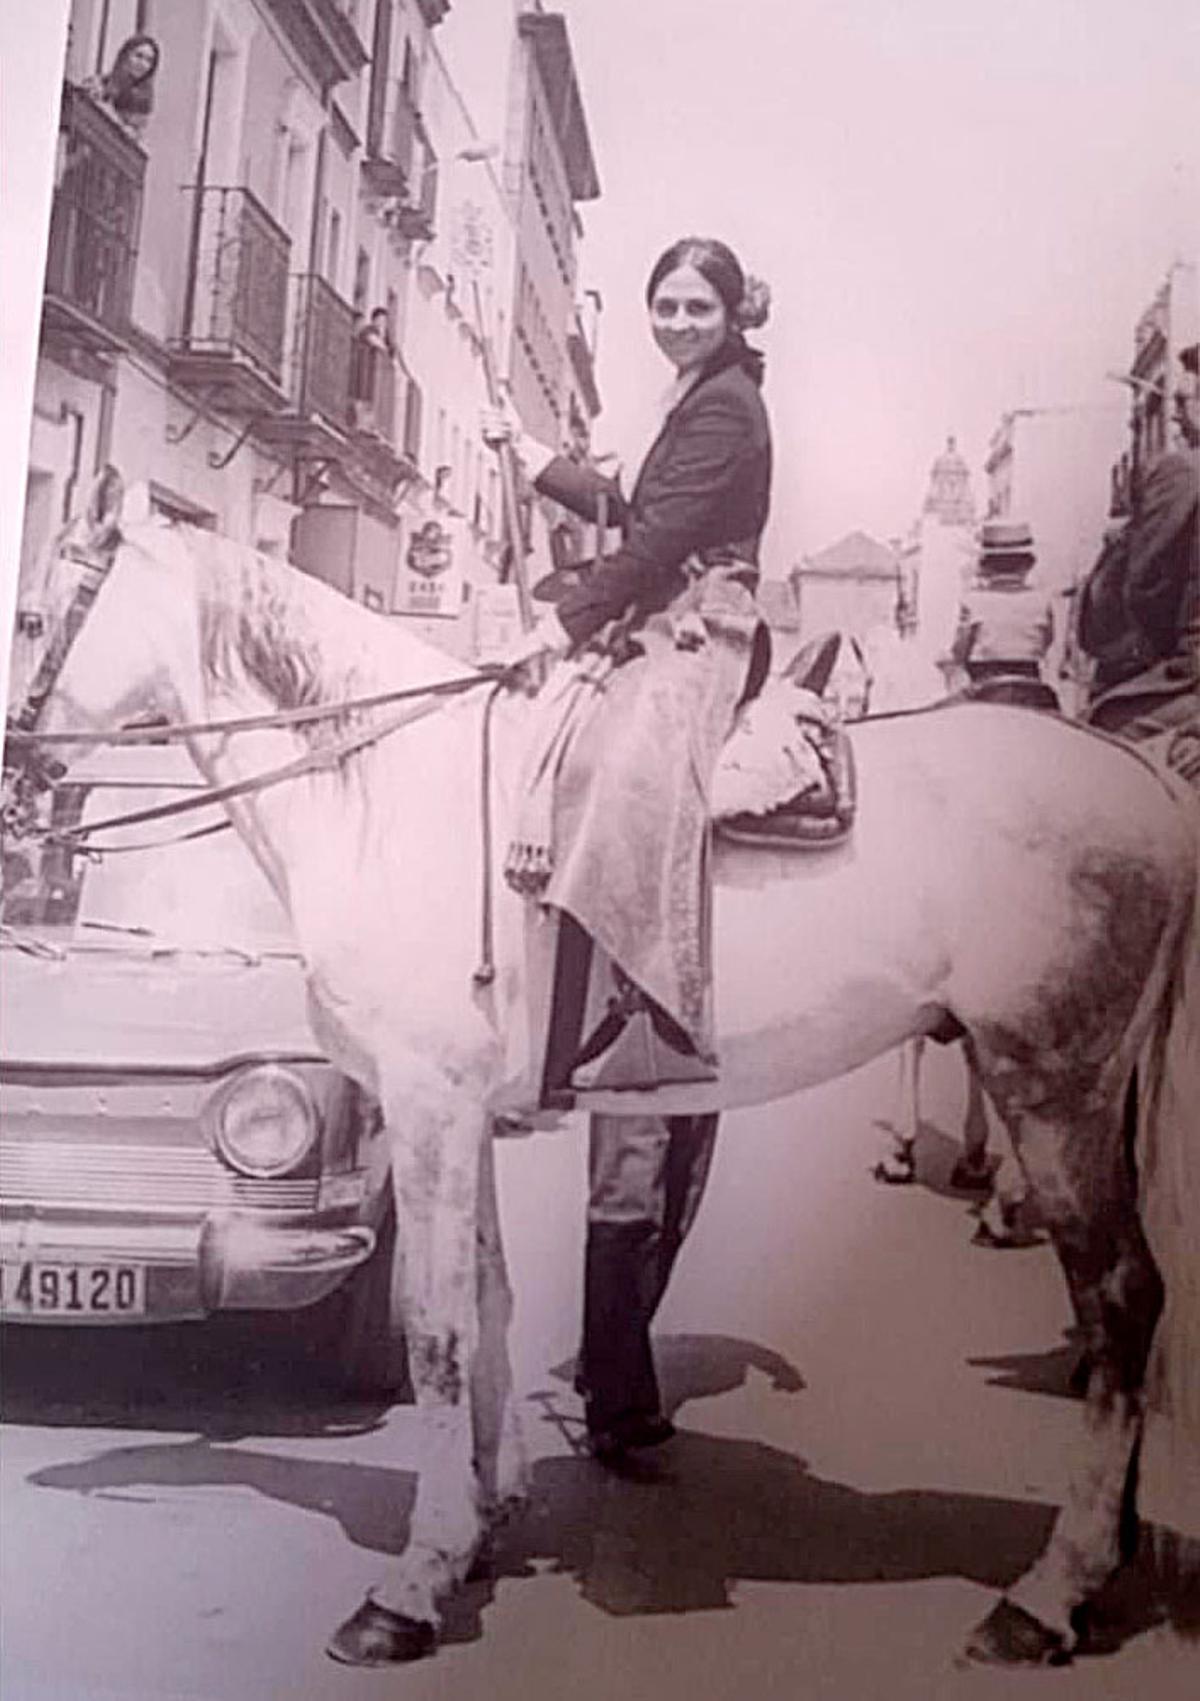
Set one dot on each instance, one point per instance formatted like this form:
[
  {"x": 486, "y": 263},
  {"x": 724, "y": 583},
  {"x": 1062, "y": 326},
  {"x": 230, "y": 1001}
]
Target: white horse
[
  {"x": 899, "y": 676},
  {"x": 1069, "y": 972}
]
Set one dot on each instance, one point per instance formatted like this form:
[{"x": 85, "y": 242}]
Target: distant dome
[{"x": 949, "y": 497}]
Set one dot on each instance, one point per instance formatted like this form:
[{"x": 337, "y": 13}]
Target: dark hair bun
[{"x": 754, "y": 309}]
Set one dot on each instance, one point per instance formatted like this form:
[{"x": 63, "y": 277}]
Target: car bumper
[{"x": 226, "y": 1261}]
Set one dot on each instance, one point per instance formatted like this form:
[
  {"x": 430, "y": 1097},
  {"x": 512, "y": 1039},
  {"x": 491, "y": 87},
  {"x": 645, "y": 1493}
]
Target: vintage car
[{"x": 172, "y": 1142}]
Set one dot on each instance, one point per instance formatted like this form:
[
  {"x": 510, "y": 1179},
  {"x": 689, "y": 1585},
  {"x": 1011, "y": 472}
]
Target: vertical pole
[
  {"x": 102, "y": 38},
  {"x": 189, "y": 294},
  {"x": 508, "y": 470}
]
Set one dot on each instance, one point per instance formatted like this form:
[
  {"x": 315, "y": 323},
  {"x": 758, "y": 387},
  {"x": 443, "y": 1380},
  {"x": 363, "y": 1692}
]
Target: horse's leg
[
  {"x": 898, "y": 1164},
  {"x": 437, "y": 1133},
  {"x": 1085, "y": 1194},
  {"x": 973, "y": 1172},
  {"x": 500, "y": 1450}
]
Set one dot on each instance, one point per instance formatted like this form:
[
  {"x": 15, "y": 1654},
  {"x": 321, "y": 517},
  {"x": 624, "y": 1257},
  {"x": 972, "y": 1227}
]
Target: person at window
[
  {"x": 372, "y": 346},
  {"x": 128, "y": 88}
]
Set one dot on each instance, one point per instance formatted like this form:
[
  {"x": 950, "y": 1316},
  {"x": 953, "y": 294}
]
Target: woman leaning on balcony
[{"x": 127, "y": 90}]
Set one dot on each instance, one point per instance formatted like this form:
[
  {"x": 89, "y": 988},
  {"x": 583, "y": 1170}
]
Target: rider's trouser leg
[{"x": 646, "y": 1178}]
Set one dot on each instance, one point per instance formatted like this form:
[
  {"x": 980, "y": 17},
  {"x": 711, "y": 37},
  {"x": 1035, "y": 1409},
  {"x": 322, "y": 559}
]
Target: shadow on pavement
[
  {"x": 693, "y": 1367},
  {"x": 674, "y": 1533},
  {"x": 1056, "y": 1372}
]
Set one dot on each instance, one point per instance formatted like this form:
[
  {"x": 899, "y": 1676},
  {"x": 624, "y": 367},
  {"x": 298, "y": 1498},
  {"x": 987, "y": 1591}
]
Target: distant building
[
  {"x": 938, "y": 555},
  {"x": 1169, "y": 323},
  {"x": 948, "y": 501},
  {"x": 851, "y": 587},
  {"x": 1050, "y": 467}
]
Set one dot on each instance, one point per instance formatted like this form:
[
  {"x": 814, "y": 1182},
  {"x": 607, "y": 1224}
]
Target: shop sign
[
  {"x": 430, "y": 573},
  {"x": 497, "y": 621}
]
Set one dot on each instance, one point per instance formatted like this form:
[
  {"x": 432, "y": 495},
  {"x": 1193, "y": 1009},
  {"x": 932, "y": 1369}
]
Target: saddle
[
  {"x": 1017, "y": 690},
  {"x": 786, "y": 778}
]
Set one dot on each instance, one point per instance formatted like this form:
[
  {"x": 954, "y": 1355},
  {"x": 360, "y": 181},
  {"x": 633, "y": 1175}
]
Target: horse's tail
[{"x": 1168, "y": 1153}]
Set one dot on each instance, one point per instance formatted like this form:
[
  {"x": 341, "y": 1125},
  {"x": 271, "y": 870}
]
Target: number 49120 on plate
[{"x": 34, "y": 1289}]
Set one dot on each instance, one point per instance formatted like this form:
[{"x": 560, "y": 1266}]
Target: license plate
[{"x": 35, "y": 1289}]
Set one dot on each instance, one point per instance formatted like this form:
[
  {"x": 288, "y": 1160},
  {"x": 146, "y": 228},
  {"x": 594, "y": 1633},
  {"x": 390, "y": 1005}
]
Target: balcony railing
[
  {"x": 373, "y": 391},
  {"x": 322, "y": 344},
  {"x": 237, "y": 284},
  {"x": 96, "y": 218},
  {"x": 413, "y": 408},
  {"x": 389, "y": 164}
]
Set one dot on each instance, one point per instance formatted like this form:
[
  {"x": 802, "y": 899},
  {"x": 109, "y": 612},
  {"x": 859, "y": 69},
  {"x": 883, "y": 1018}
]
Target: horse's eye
[{"x": 30, "y": 623}]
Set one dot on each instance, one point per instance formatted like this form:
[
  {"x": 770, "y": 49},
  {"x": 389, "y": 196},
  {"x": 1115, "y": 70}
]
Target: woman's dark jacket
[{"x": 703, "y": 490}]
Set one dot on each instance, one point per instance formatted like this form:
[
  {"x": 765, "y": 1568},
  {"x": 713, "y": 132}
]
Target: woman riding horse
[{"x": 625, "y": 866}]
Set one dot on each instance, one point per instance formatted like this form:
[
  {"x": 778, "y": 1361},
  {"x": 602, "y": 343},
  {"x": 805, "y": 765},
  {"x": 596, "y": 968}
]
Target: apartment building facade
[{"x": 257, "y": 301}]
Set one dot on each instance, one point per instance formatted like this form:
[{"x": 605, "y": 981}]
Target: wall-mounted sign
[
  {"x": 497, "y": 621},
  {"x": 430, "y": 575}
]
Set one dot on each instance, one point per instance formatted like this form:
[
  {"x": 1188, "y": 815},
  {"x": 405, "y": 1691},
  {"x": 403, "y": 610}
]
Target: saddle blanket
[{"x": 785, "y": 775}]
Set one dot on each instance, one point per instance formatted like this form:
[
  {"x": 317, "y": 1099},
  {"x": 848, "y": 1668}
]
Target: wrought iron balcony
[
  {"x": 317, "y": 415},
  {"x": 414, "y": 404},
  {"x": 422, "y": 209},
  {"x": 391, "y": 142},
  {"x": 322, "y": 338},
  {"x": 95, "y": 225},
  {"x": 373, "y": 392},
  {"x": 412, "y": 214},
  {"x": 235, "y": 308}
]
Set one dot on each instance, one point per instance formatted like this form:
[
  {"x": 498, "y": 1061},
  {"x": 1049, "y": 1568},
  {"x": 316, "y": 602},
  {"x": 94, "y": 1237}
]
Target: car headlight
[{"x": 266, "y": 1122}]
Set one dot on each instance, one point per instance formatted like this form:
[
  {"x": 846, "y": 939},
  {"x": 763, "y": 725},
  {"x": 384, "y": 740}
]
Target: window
[
  {"x": 362, "y": 281},
  {"x": 333, "y": 251},
  {"x": 410, "y": 78}
]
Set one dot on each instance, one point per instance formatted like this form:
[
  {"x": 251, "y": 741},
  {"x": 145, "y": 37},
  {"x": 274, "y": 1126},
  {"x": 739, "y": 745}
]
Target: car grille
[{"x": 50, "y": 1174}]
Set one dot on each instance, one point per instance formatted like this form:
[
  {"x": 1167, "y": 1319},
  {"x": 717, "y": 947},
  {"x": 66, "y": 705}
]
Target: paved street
[{"x": 874, "y": 1429}]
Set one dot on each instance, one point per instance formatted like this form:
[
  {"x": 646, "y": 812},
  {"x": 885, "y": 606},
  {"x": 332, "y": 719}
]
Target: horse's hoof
[
  {"x": 1010, "y": 1636},
  {"x": 377, "y": 1636}
]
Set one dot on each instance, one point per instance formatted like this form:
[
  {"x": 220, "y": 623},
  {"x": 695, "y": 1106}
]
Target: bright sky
[{"x": 960, "y": 208}]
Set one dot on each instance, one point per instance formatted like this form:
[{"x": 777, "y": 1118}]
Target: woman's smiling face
[
  {"x": 688, "y": 318},
  {"x": 141, "y": 60}
]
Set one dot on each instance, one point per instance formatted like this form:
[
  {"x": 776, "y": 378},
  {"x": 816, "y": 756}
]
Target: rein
[
  {"x": 175, "y": 731},
  {"x": 22, "y": 730},
  {"x": 313, "y": 761}
]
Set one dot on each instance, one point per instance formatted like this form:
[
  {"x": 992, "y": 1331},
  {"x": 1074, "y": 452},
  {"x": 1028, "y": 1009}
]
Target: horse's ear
[{"x": 103, "y": 515}]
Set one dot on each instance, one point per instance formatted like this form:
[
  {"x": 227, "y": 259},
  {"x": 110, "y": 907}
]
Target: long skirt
[{"x": 631, "y": 804}]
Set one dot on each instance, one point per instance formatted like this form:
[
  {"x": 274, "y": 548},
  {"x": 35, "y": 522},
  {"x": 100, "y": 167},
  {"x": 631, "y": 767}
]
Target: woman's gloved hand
[{"x": 498, "y": 426}]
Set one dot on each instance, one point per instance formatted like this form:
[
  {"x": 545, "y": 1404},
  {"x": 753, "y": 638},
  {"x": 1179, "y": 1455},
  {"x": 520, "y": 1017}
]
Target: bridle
[
  {"x": 29, "y": 770},
  {"x": 33, "y": 771}
]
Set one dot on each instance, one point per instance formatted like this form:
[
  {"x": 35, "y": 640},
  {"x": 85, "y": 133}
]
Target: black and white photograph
[{"x": 600, "y": 846}]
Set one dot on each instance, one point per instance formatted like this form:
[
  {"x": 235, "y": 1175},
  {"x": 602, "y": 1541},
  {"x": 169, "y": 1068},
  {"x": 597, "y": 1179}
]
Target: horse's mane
[{"x": 293, "y": 638}]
